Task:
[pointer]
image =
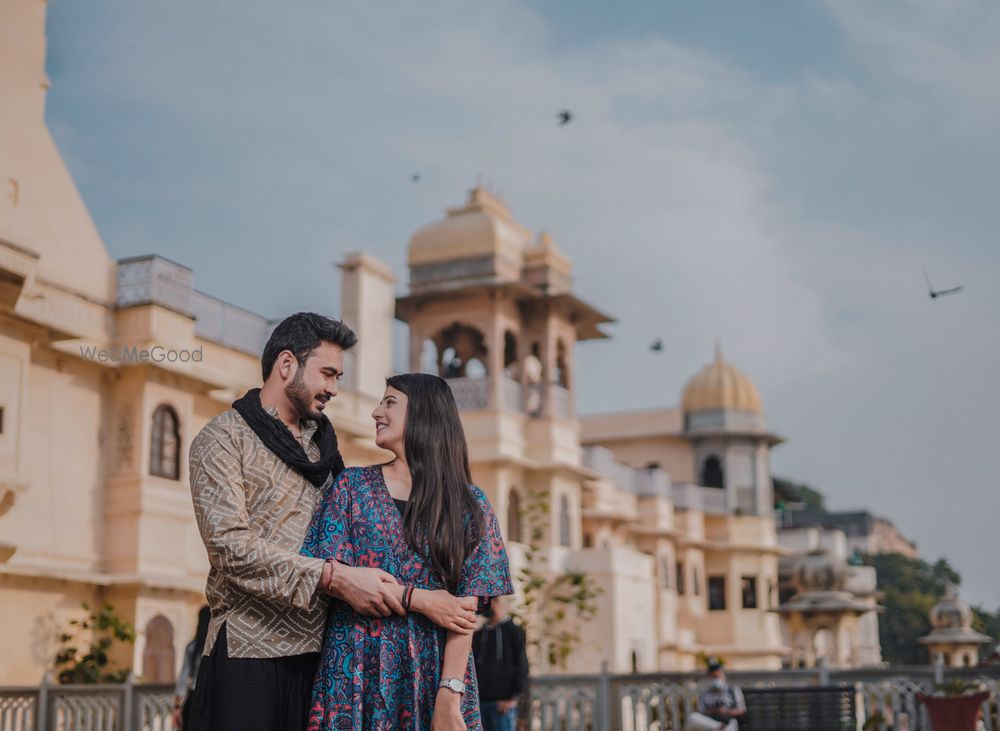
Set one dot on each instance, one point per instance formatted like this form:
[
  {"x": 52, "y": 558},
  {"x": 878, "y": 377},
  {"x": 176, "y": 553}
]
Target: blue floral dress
[{"x": 382, "y": 674}]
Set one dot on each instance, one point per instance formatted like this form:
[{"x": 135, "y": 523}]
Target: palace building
[{"x": 109, "y": 368}]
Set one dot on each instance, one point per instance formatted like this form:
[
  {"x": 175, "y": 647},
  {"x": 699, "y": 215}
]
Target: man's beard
[{"x": 299, "y": 396}]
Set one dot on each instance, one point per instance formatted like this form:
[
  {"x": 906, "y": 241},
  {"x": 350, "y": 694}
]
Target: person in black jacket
[{"x": 501, "y": 666}]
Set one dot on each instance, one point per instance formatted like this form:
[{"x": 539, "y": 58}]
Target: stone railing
[
  {"x": 474, "y": 393},
  {"x": 637, "y": 481},
  {"x": 470, "y": 393},
  {"x": 153, "y": 280},
  {"x": 602, "y": 702},
  {"x": 226, "y": 324},
  {"x": 657, "y": 702},
  {"x": 710, "y": 500},
  {"x": 561, "y": 406},
  {"x": 51, "y": 707}
]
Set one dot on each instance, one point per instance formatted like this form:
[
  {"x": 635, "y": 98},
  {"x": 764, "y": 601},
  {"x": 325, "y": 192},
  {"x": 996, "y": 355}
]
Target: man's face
[
  {"x": 499, "y": 607},
  {"x": 315, "y": 381}
]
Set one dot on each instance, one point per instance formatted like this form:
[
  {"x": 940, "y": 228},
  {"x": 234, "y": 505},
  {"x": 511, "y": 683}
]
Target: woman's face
[{"x": 390, "y": 420}]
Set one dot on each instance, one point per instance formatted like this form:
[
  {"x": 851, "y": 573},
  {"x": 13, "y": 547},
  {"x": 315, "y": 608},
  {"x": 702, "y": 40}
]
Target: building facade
[{"x": 109, "y": 368}]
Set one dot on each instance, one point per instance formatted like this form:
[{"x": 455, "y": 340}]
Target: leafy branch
[
  {"x": 554, "y": 604},
  {"x": 105, "y": 628}
]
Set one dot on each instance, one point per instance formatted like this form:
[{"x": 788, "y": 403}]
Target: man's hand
[
  {"x": 456, "y": 614},
  {"x": 367, "y": 590},
  {"x": 504, "y": 706}
]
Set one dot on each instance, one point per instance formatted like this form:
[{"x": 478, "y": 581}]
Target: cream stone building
[
  {"x": 109, "y": 368},
  {"x": 107, "y": 371},
  {"x": 829, "y": 607}
]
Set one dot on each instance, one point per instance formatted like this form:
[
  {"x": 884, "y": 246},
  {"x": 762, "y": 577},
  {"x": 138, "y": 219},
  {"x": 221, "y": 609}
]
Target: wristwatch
[{"x": 455, "y": 685}]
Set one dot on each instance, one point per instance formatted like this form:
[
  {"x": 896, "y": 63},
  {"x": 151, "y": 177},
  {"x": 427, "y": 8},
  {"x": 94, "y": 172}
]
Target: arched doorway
[{"x": 158, "y": 659}]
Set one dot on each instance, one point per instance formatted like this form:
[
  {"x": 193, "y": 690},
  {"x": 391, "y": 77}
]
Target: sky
[{"x": 774, "y": 177}]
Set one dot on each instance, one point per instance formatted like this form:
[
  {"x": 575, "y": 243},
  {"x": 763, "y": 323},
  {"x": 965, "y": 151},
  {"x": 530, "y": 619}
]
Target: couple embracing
[{"x": 341, "y": 598}]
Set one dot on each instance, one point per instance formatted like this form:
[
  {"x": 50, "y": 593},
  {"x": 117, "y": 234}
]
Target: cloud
[{"x": 789, "y": 218}]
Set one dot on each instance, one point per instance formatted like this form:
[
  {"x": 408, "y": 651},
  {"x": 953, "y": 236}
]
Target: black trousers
[{"x": 252, "y": 694}]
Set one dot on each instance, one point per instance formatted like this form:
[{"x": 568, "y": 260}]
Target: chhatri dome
[
  {"x": 483, "y": 227},
  {"x": 952, "y": 638},
  {"x": 721, "y": 386}
]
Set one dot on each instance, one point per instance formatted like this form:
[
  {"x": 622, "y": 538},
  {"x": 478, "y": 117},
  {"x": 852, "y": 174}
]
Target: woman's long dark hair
[{"x": 442, "y": 513}]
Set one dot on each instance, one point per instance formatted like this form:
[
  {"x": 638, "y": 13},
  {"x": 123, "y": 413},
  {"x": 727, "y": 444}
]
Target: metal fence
[{"x": 602, "y": 702}]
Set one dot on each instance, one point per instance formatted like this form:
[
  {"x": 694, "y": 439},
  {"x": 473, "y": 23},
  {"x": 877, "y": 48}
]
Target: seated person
[{"x": 720, "y": 704}]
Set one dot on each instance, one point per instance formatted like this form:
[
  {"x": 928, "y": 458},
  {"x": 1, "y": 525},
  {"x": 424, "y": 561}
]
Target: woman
[{"x": 420, "y": 519}]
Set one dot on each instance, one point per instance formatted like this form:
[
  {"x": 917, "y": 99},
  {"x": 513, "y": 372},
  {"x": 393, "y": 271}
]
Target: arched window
[
  {"x": 666, "y": 566},
  {"x": 564, "y": 534},
  {"x": 680, "y": 578},
  {"x": 711, "y": 472},
  {"x": 158, "y": 656},
  {"x": 514, "y": 517},
  {"x": 460, "y": 347},
  {"x": 165, "y": 445}
]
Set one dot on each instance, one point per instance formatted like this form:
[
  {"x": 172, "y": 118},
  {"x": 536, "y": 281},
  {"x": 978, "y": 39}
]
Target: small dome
[
  {"x": 819, "y": 571},
  {"x": 483, "y": 227},
  {"x": 721, "y": 386},
  {"x": 951, "y": 612}
]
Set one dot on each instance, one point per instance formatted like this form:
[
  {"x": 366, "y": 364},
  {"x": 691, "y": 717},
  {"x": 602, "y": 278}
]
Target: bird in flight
[
  {"x": 564, "y": 117},
  {"x": 415, "y": 178},
  {"x": 935, "y": 293},
  {"x": 657, "y": 345}
]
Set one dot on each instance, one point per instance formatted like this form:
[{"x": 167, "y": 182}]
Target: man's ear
[{"x": 287, "y": 364}]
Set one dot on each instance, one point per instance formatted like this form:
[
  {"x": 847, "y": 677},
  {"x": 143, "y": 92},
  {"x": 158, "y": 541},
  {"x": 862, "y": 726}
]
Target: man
[
  {"x": 257, "y": 474},
  {"x": 501, "y": 667},
  {"x": 719, "y": 703}
]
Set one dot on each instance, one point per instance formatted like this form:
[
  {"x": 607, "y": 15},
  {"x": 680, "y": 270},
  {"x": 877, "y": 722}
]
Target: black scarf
[{"x": 277, "y": 437}]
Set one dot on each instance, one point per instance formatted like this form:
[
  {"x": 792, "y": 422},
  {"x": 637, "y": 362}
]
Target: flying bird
[
  {"x": 657, "y": 345},
  {"x": 935, "y": 293},
  {"x": 415, "y": 178},
  {"x": 564, "y": 117}
]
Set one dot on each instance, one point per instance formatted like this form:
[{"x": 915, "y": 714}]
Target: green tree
[
  {"x": 554, "y": 604},
  {"x": 103, "y": 629},
  {"x": 787, "y": 492}
]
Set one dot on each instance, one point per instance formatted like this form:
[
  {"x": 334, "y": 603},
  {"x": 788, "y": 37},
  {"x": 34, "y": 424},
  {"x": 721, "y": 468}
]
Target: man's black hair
[{"x": 302, "y": 333}]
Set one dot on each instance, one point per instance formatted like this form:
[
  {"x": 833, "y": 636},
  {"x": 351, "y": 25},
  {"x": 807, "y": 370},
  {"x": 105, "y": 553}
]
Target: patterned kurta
[
  {"x": 383, "y": 674},
  {"x": 253, "y": 511}
]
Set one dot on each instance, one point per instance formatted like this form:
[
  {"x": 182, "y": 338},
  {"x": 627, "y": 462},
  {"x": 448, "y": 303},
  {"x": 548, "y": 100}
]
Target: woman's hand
[
  {"x": 448, "y": 712},
  {"x": 455, "y": 614}
]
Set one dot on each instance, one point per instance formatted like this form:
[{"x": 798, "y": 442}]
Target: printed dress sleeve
[
  {"x": 329, "y": 534},
  {"x": 486, "y": 572}
]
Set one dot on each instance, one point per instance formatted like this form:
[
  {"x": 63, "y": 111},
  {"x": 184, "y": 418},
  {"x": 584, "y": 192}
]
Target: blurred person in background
[{"x": 501, "y": 667}]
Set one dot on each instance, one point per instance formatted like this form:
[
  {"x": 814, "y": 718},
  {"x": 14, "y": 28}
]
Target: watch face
[{"x": 456, "y": 685}]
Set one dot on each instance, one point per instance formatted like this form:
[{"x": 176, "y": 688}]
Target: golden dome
[
  {"x": 482, "y": 227},
  {"x": 721, "y": 386}
]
